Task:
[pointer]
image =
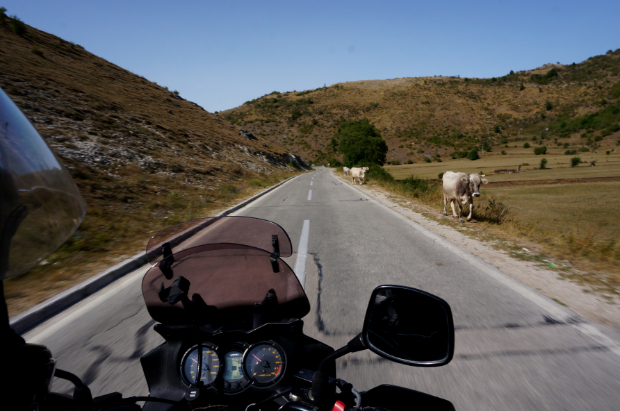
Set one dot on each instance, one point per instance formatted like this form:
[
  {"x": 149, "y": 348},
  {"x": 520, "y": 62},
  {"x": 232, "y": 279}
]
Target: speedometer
[
  {"x": 210, "y": 365},
  {"x": 264, "y": 363}
]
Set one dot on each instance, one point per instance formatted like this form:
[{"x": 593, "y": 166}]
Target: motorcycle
[{"x": 230, "y": 311}]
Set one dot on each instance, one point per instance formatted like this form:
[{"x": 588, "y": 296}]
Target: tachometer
[
  {"x": 210, "y": 365},
  {"x": 264, "y": 363}
]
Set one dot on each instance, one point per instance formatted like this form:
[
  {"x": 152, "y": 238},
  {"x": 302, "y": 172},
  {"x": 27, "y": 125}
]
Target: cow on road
[{"x": 461, "y": 188}]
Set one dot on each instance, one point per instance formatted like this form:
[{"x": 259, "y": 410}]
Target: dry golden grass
[
  {"x": 558, "y": 167},
  {"x": 566, "y": 215}
]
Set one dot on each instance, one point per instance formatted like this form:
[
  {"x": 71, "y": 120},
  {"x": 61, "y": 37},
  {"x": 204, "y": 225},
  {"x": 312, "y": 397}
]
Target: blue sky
[{"x": 220, "y": 54}]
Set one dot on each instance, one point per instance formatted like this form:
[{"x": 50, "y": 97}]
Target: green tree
[
  {"x": 574, "y": 162},
  {"x": 543, "y": 163},
  {"x": 361, "y": 143},
  {"x": 540, "y": 150},
  {"x": 473, "y": 155},
  {"x": 17, "y": 26}
]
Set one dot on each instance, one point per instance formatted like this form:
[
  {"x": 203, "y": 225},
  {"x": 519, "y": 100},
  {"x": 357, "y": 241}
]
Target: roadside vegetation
[{"x": 561, "y": 216}]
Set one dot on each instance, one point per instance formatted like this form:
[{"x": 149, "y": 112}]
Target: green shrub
[
  {"x": 296, "y": 113},
  {"x": 615, "y": 90},
  {"x": 521, "y": 87},
  {"x": 575, "y": 161},
  {"x": 473, "y": 155},
  {"x": 504, "y": 140},
  {"x": 410, "y": 161},
  {"x": 608, "y": 152},
  {"x": 565, "y": 145},
  {"x": 570, "y": 152},
  {"x": 592, "y": 163},
  {"x": 540, "y": 150},
  {"x": 497, "y": 129},
  {"x": 544, "y": 79},
  {"x": 378, "y": 173},
  {"x": 526, "y": 145},
  {"x": 503, "y": 152},
  {"x": 543, "y": 163},
  {"x": 360, "y": 142},
  {"x": 440, "y": 175},
  {"x": 17, "y": 26},
  {"x": 495, "y": 212},
  {"x": 395, "y": 162},
  {"x": 427, "y": 159},
  {"x": 548, "y": 105},
  {"x": 459, "y": 154},
  {"x": 413, "y": 183}
]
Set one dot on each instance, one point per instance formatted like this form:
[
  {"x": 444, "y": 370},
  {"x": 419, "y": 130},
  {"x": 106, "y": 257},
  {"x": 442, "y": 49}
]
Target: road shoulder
[{"x": 545, "y": 281}]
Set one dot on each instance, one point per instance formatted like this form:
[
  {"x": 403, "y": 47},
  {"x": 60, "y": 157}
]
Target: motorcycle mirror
[{"x": 409, "y": 326}]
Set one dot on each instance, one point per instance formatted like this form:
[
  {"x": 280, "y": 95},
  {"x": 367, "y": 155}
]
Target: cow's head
[
  {"x": 475, "y": 181},
  {"x": 364, "y": 169}
]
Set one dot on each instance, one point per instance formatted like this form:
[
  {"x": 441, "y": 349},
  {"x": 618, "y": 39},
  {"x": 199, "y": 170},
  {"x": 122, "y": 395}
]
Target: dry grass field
[
  {"x": 562, "y": 214},
  {"x": 559, "y": 165},
  {"x": 579, "y": 210}
]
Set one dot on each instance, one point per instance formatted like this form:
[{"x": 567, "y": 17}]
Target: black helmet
[{"x": 40, "y": 205}]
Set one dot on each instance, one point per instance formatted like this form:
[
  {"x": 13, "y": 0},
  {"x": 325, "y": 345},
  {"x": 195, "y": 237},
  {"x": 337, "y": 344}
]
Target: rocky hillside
[
  {"x": 434, "y": 116},
  {"x": 142, "y": 155}
]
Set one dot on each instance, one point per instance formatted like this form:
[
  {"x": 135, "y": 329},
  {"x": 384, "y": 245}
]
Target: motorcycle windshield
[
  {"x": 230, "y": 277},
  {"x": 250, "y": 231}
]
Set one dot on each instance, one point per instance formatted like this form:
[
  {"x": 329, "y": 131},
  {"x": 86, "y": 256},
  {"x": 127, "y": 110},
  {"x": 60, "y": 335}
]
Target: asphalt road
[{"x": 515, "y": 349}]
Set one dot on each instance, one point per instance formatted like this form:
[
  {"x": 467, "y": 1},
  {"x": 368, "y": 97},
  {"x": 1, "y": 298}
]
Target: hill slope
[
  {"x": 143, "y": 157},
  {"x": 430, "y": 116}
]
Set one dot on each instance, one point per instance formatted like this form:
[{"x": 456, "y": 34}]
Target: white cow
[
  {"x": 346, "y": 170},
  {"x": 358, "y": 173},
  {"x": 461, "y": 188}
]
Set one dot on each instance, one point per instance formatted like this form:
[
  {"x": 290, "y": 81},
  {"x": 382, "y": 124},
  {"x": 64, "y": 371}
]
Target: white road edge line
[
  {"x": 311, "y": 183},
  {"x": 302, "y": 254},
  {"x": 309, "y": 195},
  {"x": 561, "y": 314}
]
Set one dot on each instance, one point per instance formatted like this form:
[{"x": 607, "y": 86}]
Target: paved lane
[{"x": 516, "y": 350}]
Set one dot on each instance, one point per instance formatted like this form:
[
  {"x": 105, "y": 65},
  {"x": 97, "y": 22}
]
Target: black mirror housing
[{"x": 409, "y": 326}]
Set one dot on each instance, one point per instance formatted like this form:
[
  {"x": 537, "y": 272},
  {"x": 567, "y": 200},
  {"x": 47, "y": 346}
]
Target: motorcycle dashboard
[{"x": 233, "y": 367}]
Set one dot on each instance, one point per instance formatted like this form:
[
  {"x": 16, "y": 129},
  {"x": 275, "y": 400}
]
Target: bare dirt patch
[{"x": 585, "y": 301}]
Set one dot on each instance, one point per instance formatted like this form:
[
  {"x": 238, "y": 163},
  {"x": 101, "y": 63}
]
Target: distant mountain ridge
[{"x": 430, "y": 116}]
